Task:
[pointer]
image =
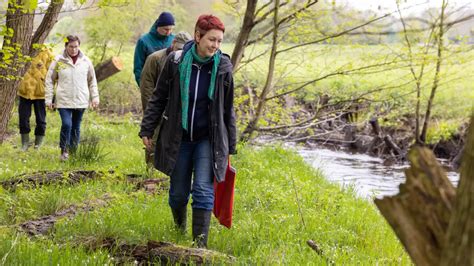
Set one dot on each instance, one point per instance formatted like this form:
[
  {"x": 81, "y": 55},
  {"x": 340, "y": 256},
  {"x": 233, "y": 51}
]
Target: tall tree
[
  {"x": 269, "y": 81},
  {"x": 247, "y": 26},
  {"x": 439, "y": 59},
  {"x": 256, "y": 16},
  {"x": 19, "y": 45}
]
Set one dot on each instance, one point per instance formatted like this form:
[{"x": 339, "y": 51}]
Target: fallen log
[
  {"x": 391, "y": 144},
  {"x": 314, "y": 247},
  {"x": 43, "y": 225},
  {"x": 379, "y": 136},
  {"x": 151, "y": 185},
  {"x": 41, "y": 178},
  {"x": 157, "y": 251},
  {"x": 108, "y": 68}
]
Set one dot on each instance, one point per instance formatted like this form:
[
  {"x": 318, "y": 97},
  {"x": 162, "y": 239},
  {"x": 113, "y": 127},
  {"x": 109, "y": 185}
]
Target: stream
[{"x": 368, "y": 176}]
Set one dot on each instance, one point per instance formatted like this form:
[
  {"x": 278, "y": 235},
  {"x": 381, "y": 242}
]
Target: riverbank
[
  {"x": 366, "y": 175},
  {"x": 368, "y": 137},
  {"x": 280, "y": 203}
]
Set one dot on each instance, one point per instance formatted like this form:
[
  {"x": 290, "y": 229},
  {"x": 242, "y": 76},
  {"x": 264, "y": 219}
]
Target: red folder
[{"x": 224, "y": 197}]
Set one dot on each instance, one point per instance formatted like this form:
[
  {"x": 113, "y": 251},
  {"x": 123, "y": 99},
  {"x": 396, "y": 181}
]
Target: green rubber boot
[
  {"x": 179, "y": 216},
  {"x": 25, "y": 141},
  {"x": 201, "y": 222},
  {"x": 38, "y": 141}
]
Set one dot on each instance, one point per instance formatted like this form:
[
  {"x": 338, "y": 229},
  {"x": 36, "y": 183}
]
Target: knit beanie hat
[{"x": 165, "y": 19}]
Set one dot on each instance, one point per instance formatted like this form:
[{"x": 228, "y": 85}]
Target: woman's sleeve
[
  {"x": 157, "y": 103},
  {"x": 92, "y": 83},
  {"x": 229, "y": 112}
]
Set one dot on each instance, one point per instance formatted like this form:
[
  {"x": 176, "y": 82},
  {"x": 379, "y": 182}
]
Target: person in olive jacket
[
  {"x": 193, "y": 104},
  {"x": 31, "y": 93},
  {"x": 151, "y": 71}
]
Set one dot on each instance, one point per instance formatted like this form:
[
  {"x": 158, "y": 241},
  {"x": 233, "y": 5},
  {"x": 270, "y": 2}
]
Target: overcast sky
[{"x": 390, "y": 5}]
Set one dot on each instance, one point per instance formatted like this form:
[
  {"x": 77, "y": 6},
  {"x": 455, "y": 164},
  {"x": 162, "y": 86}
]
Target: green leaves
[{"x": 30, "y": 5}]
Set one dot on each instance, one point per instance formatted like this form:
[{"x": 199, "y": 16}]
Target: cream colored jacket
[{"x": 76, "y": 84}]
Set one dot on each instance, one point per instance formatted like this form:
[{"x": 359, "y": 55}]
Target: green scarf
[{"x": 185, "y": 68}]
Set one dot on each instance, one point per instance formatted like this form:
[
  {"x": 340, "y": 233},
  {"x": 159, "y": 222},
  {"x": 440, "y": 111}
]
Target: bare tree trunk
[
  {"x": 47, "y": 23},
  {"x": 245, "y": 30},
  {"x": 22, "y": 42},
  {"x": 436, "y": 76},
  {"x": 22, "y": 25},
  {"x": 252, "y": 125},
  {"x": 460, "y": 236}
]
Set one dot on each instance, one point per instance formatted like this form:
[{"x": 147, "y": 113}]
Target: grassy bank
[
  {"x": 280, "y": 203},
  {"x": 388, "y": 90}
]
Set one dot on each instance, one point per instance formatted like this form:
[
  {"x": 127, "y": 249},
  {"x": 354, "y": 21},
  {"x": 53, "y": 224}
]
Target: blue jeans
[
  {"x": 193, "y": 157},
  {"x": 70, "y": 128}
]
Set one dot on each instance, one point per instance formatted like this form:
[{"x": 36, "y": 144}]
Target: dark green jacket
[
  {"x": 146, "y": 45},
  {"x": 164, "y": 109}
]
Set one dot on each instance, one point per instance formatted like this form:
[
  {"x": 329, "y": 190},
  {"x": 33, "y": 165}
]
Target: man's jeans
[
  {"x": 193, "y": 157},
  {"x": 70, "y": 128}
]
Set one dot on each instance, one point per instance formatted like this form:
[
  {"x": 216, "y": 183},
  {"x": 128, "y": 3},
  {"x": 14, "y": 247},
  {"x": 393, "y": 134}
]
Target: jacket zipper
[{"x": 195, "y": 100}]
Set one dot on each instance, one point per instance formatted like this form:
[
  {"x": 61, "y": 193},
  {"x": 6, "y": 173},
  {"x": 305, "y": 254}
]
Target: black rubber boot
[
  {"x": 25, "y": 141},
  {"x": 38, "y": 141},
  {"x": 201, "y": 222},
  {"x": 179, "y": 216}
]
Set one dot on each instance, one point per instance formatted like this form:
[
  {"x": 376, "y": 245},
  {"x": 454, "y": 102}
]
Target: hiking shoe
[{"x": 64, "y": 156}]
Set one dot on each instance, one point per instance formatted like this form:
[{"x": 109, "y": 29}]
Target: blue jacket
[{"x": 146, "y": 45}]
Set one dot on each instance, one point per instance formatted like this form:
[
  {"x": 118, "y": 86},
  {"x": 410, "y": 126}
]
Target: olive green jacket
[{"x": 151, "y": 71}]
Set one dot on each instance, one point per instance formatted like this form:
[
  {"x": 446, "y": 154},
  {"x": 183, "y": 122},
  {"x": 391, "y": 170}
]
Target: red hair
[{"x": 206, "y": 23}]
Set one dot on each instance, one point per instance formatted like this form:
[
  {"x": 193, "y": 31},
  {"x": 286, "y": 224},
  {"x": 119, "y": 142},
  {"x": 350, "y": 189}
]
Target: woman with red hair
[{"x": 193, "y": 104}]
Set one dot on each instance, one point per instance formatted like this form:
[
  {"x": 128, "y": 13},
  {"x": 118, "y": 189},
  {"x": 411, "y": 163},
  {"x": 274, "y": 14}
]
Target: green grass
[{"x": 280, "y": 203}]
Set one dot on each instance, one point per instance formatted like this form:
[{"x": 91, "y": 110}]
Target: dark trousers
[
  {"x": 24, "y": 112},
  {"x": 70, "y": 128}
]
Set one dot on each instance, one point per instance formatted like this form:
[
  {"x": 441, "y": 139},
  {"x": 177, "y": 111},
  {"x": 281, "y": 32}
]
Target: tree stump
[
  {"x": 460, "y": 238},
  {"x": 420, "y": 213},
  {"x": 108, "y": 68},
  {"x": 435, "y": 227}
]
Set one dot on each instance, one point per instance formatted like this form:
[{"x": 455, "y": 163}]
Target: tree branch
[
  {"x": 342, "y": 72},
  {"x": 283, "y": 20},
  {"x": 47, "y": 23},
  {"x": 269, "y": 12}
]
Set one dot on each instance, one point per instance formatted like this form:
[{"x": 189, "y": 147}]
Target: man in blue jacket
[{"x": 159, "y": 37}]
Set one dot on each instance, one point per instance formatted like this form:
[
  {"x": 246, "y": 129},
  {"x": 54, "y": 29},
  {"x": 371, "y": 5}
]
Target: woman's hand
[
  {"x": 50, "y": 106},
  {"x": 147, "y": 143},
  {"x": 95, "y": 103}
]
